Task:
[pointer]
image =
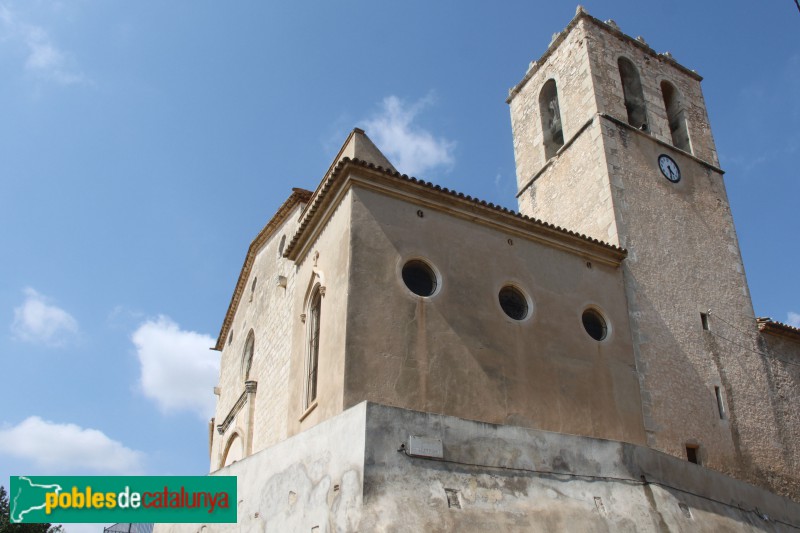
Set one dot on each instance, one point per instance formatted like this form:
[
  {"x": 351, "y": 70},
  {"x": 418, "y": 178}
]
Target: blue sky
[{"x": 144, "y": 144}]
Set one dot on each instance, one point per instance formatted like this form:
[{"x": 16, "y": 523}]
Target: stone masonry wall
[
  {"x": 683, "y": 257},
  {"x": 575, "y": 170},
  {"x": 568, "y": 65},
  {"x": 605, "y": 45},
  {"x": 267, "y": 311}
]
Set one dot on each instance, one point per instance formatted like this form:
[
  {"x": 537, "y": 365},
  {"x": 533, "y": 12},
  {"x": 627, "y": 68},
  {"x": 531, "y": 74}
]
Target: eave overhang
[
  {"x": 298, "y": 196},
  {"x": 353, "y": 172},
  {"x": 767, "y": 325}
]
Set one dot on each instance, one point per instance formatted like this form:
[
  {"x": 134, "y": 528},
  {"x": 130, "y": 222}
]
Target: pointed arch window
[
  {"x": 312, "y": 350},
  {"x": 550, "y": 112},
  {"x": 676, "y": 117},
  {"x": 233, "y": 451},
  {"x": 247, "y": 355},
  {"x": 633, "y": 94}
]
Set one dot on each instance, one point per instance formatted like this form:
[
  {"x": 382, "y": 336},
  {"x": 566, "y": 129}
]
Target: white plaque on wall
[{"x": 425, "y": 447}]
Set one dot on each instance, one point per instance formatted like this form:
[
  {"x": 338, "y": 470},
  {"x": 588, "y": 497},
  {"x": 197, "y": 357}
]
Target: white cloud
[
  {"x": 793, "y": 319},
  {"x": 179, "y": 370},
  {"x": 412, "y": 149},
  {"x": 44, "y": 58},
  {"x": 40, "y": 322},
  {"x": 58, "y": 448}
]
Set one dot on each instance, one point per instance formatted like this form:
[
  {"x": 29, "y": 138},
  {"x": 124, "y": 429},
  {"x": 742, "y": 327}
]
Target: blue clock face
[{"x": 669, "y": 168}]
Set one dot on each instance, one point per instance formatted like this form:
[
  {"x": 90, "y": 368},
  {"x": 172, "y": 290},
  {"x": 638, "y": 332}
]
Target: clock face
[{"x": 669, "y": 168}]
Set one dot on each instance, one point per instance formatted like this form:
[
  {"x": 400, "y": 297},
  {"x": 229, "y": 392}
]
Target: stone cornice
[
  {"x": 582, "y": 14},
  {"x": 249, "y": 388},
  {"x": 622, "y": 124},
  {"x": 298, "y": 196},
  {"x": 366, "y": 175}
]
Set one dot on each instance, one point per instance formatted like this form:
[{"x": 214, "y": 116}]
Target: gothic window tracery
[{"x": 312, "y": 355}]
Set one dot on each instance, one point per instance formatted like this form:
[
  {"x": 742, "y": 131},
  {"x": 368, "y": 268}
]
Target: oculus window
[
  {"x": 594, "y": 324},
  {"x": 514, "y": 302},
  {"x": 419, "y": 277}
]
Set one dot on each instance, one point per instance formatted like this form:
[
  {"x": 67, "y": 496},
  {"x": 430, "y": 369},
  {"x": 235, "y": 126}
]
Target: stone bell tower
[{"x": 612, "y": 139}]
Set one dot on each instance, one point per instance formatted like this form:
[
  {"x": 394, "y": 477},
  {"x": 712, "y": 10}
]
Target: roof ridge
[
  {"x": 327, "y": 182},
  {"x": 483, "y": 203}
]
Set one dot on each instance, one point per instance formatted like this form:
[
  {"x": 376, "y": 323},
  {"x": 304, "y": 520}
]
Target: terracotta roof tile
[
  {"x": 328, "y": 182},
  {"x": 298, "y": 196},
  {"x": 767, "y": 325}
]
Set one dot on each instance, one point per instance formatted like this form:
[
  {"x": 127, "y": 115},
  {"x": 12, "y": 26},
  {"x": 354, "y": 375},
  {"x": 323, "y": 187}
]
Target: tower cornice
[{"x": 609, "y": 27}]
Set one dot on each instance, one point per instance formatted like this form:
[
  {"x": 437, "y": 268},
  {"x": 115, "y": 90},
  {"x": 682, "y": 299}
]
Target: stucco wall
[
  {"x": 456, "y": 352},
  {"x": 327, "y": 263}
]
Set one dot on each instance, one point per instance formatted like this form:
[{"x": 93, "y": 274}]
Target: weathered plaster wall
[
  {"x": 264, "y": 310},
  {"x": 327, "y": 262},
  {"x": 456, "y": 352},
  {"x": 311, "y": 480},
  {"x": 350, "y": 473},
  {"x": 515, "y": 479}
]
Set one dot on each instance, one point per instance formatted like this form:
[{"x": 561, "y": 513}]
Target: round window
[
  {"x": 513, "y": 302},
  {"x": 419, "y": 277},
  {"x": 594, "y": 324}
]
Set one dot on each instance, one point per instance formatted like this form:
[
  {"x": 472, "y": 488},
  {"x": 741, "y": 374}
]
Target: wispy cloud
[
  {"x": 40, "y": 322},
  {"x": 61, "y": 448},
  {"x": 178, "y": 369},
  {"x": 411, "y": 148},
  {"x": 44, "y": 58},
  {"x": 793, "y": 319}
]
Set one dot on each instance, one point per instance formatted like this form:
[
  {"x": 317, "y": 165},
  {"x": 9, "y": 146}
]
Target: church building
[{"x": 397, "y": 356}]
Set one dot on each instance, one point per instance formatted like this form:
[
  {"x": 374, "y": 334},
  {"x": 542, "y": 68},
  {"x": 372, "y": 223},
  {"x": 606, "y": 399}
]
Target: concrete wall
[
  {"x": 351, "y": 473},
  {"x": 456, "y": 352},
  {"x": 514, "y": 479}
]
